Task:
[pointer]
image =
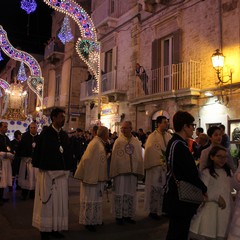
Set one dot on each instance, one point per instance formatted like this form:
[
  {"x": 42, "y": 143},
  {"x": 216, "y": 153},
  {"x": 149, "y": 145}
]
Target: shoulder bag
[{"x": 187, "y": 192}]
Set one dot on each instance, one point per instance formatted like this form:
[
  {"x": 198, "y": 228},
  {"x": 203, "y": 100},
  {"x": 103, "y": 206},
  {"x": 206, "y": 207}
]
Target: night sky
[{"x": 25, "y": 32}]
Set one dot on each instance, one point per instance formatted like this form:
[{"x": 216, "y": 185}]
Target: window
[
  {"x": 165, "y": 53},
  {"x": 108, "y": 61},
  {"x": 166, "y": 61}
]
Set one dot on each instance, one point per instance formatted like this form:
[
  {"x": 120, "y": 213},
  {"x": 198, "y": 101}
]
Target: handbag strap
[
  {"x": 170, "y": 165},
  {"x": 170, "y": 160}
]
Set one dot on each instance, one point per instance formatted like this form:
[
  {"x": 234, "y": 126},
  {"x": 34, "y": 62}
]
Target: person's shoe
[
  {"x": 91, "y": 228},
  {"x": 119, "y": 221},
  {"x": 129, "y": 220},
  {"x": 56, "y": 234},
  {"x": 154, "y": 216},
  {"x": 44, "y": 235}
]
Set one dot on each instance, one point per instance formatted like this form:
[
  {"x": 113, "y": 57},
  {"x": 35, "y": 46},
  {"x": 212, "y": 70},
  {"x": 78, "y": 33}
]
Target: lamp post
[{"x": 218, "y": 64}]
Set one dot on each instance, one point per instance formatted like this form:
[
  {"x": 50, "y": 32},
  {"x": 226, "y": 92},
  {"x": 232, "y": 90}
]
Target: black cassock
[{"x": 53, "y": 151}]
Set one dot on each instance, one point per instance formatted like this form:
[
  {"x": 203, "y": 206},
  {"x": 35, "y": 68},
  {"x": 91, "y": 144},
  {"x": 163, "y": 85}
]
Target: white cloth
[
  {"x": 5, "y": 170},
  {"x": 126, "y": 157},
  {"x": 27, "y": 174},
  {"x": 204, "y": 157},
  {"x": 155, "y": 149},
  {"x": 124, "y": 196},
  {"x": 211, "y": 221},
  {"x": 155, "y": 180},
  {"x": 155, "y": 166},
  {"x": 234, "y": 231},
  {"x": 91, "y": 203},
  {"x": 93, "y": 165},
  {"x": 50, "y": 211}
]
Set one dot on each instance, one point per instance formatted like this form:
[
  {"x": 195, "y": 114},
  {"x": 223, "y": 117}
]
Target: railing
[
  {"x": 109, "y": 84},
  {"x": 168, "y": 78},
  {"x": 88, "y": 89}
]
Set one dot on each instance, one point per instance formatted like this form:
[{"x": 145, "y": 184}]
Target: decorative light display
[
  {"x": 78, "y": 14},
  {"x": 4, "y": 84},
  {"x": 1, "y": 58},
  {"x": 65, "y": 34},
  {"x": 21, "y": 76},
  {"x": 91, "y": 53},
  {"x": 35, "y": 81},
  {"x": 28, "y": 5},
  {"x": 15, "y": 97}
]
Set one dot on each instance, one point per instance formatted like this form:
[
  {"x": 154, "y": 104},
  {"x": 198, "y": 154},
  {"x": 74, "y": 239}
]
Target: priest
[
  {"x": 125, "y": 169},
  {"x": 92, "y": 171}
]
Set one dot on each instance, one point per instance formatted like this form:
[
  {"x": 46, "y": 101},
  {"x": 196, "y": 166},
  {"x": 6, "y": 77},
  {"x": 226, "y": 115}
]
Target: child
[
  {"x": 211, "y": 221},
  {"x": 234, "y": 233},
  {"x": 215, "y": 137}
]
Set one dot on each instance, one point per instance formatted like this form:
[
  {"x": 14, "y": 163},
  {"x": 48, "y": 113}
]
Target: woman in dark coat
[{"x": 182, "y": 164}]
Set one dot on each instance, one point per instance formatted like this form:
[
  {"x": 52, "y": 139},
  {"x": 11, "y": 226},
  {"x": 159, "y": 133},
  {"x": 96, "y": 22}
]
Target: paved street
[{"x": 16, "y": 215}]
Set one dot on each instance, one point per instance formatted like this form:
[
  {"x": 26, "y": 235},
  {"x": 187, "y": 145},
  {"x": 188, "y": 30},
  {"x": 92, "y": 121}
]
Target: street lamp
[{"x": 218, "y": 64}]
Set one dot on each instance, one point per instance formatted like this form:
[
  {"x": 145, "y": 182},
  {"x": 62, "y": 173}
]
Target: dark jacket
[
  {"x": 5, "y": 144},
  {"x": 26, "y": 146},
  {"x": 47, "y": 154},
  {"x": 184, "y": 168}
]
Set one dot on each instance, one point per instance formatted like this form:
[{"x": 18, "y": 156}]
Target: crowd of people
[{"x": 42, "y": 163}]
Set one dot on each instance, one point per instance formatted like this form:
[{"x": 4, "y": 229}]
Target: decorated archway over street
[
  {"x": 87, "y": 47},
  {"x": 35, "y": 80}
]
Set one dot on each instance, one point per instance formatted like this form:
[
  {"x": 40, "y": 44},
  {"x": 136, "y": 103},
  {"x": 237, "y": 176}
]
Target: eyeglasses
[{"x": 193, "y": 125}]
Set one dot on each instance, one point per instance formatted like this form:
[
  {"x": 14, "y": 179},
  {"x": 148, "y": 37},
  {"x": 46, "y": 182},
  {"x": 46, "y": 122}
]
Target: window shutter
[
  {"x": 177, "y": 46},
  {"x": 156, "y": 54}
]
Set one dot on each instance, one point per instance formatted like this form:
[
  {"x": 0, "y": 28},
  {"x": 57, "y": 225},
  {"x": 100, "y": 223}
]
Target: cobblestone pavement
[{"x": 16, "y": 217}]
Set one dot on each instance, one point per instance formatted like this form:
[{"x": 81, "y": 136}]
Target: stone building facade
[{"x": 174, "y": 41}]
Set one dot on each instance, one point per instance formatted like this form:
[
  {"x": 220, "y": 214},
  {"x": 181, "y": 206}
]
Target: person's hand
[
  {"x": 221, "y": 202},
  {"x": 10, "y": 156}
]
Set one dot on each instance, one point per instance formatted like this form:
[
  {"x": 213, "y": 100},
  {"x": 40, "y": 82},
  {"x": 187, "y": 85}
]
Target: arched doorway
[{"x": 155, "y": 115}]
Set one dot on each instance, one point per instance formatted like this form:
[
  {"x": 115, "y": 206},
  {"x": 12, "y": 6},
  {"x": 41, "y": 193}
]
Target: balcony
[
  {"x": 88, "y": 90},
  {"x": 105, "y": 15},
  {"x": 168, "y": 80},
  {"x": 109, "y": 86},
  {"x": 54, "y": 51}
]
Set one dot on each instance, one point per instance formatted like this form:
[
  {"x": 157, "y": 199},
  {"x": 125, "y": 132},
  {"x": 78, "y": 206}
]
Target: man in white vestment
[
  {"x": 155, "y": 167},
  {"x": 92, "y": 171},
  {"x": 53, "y": 156},
  {"x": 126, "y": 166},
  {"x": 6, "y": 158}
]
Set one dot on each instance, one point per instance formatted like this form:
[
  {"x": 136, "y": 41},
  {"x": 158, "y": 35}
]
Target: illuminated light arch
[
  {"x": 88, "y": 48},
  {"x": 35, "y": 81},
  {"x": 4, "y": 84}
]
